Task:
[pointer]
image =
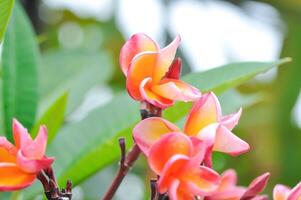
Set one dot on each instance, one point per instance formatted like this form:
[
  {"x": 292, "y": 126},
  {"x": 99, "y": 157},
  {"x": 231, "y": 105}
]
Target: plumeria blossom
[
  {"x": 20, "y": 163},
  {"x": 205, "y": 121},
  {"x": 282, "y": 192},
  {"x": 152, "y": 74},
  {"x": 176, "y": 159},
  {"x": 228, "y": 190}
]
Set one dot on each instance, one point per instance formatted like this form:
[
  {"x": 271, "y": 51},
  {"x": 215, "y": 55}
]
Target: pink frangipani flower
[
  {"x": 282, "y": 192},
  {"x": 205, "y": 122},
  {"x": 176, "y": 159},
  {"x": 152, "y": 74},
  {"x": 20, "y": 163}
]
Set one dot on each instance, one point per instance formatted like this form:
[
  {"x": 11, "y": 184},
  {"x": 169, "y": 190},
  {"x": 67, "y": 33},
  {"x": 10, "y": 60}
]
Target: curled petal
[
  {"x": 176, "y": 90},
  {"x": 228, "y": 180},
  {"x": 7, "y": 151},
  {"x": 256, "y": 186},
  {"x": 295, "y": 193},
  {"x": 233, "y": 193},
  {"x": 230, "y": 121},
  {"x": 148, "y": 131},
  {"x": 175, "y": 69},
  {"x": 13, "y": 178},
  {"x": 205, "y": 111},
  {"x": 200, "y": 180},
  {"x": 33, "y": 165},
  {"x": 165, "y": 59},
  {"x": 151, "y": 97},
  {"x": 21, "y": 136},
  {"x": 136, "y": 44},
  {"x": 171, "y": 172},
  {"x": 229, "y": 143},
  {"x": 280, "y": 192},
  {"x": 36, "y": 150},
  {"x": 169, "y": 145},
  {"x": 141, "y": 67},
  {"x": 261, "y": 197}
]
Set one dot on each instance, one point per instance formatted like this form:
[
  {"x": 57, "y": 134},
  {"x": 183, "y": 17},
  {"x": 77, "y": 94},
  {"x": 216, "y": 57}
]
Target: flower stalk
[{"x": 127, "y": 160}]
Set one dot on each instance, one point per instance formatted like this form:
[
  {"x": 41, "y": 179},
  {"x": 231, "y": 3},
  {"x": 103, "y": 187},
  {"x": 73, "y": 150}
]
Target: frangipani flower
[
  {"x": 228, "y": 190},
  {"x": 151, "y": 74},
  {"x": 205, "y": 121},
  {"x": 282, "y": 192},
  {"x": 176, "y": 159},
  {"x": 20, "y": 163}
]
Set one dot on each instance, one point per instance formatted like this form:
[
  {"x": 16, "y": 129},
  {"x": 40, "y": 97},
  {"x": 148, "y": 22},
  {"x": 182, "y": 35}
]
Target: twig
[
  {"x": 51, "y": 188},
  {"x": 127, "y": 161}
]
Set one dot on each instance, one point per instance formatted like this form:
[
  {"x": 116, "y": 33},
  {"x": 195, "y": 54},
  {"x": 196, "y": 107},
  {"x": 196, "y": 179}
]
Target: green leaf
[
  {"x": 75, "y": 71},
  {"x": 52, "y": 118},
  {"x": 6, "y": 7},
  {"x": 20, "y": 71},
  {"x": 83, "y": 148}
]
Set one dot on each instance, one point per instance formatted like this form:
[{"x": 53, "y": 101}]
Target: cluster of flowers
[{"x": 182, "y": 158}]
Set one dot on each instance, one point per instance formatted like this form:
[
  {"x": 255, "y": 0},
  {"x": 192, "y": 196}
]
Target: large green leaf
[
  {"x": 75, "y": 71},
  {"x": 20, "y": 71},
  {"x": 52, "y": 118},
  {"x": 6, "y": 7},
  {"x": 84, "y": 147}
]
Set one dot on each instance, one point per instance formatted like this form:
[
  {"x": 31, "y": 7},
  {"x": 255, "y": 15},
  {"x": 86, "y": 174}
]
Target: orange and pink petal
[
  {"x": 141, "y": 67},
  {"x": 13, "y": 178},
  {"x": 136, "y": 44},
  {"x": 36, "y": 150},
  {"x": 165, "y": 59},
  {"x": 21, "y": 135},
  {"x": 33, "y": 165},
  {"x": 230, "y": 121},
  {"x": 229, "y": 143},
  {"x": 150, "y": 130},
  {"x": 205, "y": 111},
  {"x": 148, "y": 95},
  {"x": 169, "y": 145},
  {"x": 176, "y": 90},
  {"x": 280, "y": 192}
]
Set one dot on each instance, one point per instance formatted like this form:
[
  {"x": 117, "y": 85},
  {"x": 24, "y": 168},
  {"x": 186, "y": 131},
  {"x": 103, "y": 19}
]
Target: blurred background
[{"x": 80, "y": 42}]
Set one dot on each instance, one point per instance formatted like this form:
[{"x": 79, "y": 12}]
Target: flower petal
[
  {"x": 228, "y": 180},
  {"x": 175, "y": 69},
  {"x": 21, "y": 136},
  {"x": 230, "y": 121},
  {"x": 233, "y": 193},
  {"x": 149, "y": 130},
  {"x": 13, "y": 178},
  {"x": 256, "y": 186},
  {"x": 165, "y": 59},
  {"x": 140, "y": 68},
  {"x": 200, "y": 180},
  {"x": 295, "y": 193},
  {"x": 171, "y": 172},
  {"x": 229, "y": 143},
  {"x": 169, "y": 145},
  {"x": 176, "y": 90},
  {"x": 36, "y": 150},
  {"x": 205, "y": 111},
  {"x": 33, "y": 165},
  {"x": 136, "y": 44},
  {"x": 7, "y": 151},
  {"x": 151, "y": 97},
  {"x": 280, "y": 192}
]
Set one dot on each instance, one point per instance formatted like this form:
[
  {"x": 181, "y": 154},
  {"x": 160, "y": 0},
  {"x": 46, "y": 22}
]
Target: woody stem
[{"x": 127, "y": 161}]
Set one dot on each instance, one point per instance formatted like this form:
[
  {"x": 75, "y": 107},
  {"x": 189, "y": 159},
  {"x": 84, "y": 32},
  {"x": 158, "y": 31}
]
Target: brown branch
[
  {"x": 127, "y": 161},
  {"x": 51, "y": 189}
]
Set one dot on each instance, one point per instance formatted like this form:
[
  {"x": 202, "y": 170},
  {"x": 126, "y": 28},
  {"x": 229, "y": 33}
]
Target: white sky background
[{"x": 213, "y": 32}]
